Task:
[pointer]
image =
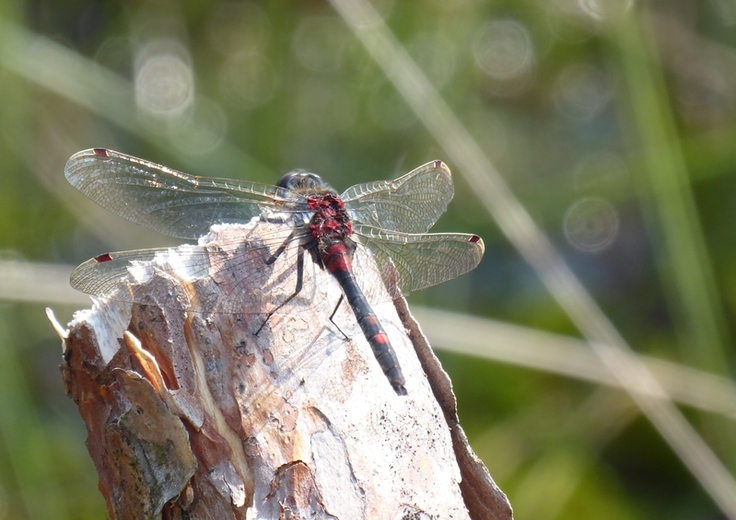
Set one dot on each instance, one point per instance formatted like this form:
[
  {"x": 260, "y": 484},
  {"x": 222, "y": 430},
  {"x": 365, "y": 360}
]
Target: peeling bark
[
  {"x": 191, "y": 414},
  {"x": 483, "y": 498}
]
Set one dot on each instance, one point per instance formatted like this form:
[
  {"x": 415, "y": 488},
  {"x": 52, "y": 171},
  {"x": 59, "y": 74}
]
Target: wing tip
[
  {"x": 440, "y": 165},
  {"x": 92, "y": 152},
  {"x": 73, "y": 164},
  {"x": 475, "y": 239}
]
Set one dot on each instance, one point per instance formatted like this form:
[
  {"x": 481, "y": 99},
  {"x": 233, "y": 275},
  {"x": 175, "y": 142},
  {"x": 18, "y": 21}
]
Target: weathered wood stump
[{"x": 192, "y": 414}]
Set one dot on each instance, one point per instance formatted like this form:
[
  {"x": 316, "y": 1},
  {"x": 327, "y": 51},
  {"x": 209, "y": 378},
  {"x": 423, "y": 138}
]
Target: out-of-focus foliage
[{"x": 613, "y": 122}]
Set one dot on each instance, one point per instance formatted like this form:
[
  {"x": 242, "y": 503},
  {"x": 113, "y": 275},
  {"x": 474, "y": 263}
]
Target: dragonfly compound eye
[{"x": 301, "y": 180}]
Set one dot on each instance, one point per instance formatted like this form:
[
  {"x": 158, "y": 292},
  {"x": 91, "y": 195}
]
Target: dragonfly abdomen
[{"x": 336, "y": 258}]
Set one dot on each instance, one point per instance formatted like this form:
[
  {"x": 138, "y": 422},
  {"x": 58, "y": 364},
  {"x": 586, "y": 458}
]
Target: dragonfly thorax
[{"x": 330, "y": 221}]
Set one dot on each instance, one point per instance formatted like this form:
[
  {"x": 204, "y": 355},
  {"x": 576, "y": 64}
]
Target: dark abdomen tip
[{"x": 399, "y": 388}]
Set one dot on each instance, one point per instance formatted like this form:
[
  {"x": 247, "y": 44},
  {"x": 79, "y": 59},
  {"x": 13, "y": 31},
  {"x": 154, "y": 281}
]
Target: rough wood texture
[
  {"x": 193, "y": 415},
  {"x": 483, "y": 498}
]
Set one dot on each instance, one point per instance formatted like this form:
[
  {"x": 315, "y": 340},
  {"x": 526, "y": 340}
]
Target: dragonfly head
[{"x": 301, "y": 180}]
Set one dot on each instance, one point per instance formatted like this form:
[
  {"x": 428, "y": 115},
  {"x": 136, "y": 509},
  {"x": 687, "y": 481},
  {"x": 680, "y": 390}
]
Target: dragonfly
[{"x": 386, "y": 219}]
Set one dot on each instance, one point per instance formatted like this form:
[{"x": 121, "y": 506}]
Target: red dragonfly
[{"x": 387, "y": 219}]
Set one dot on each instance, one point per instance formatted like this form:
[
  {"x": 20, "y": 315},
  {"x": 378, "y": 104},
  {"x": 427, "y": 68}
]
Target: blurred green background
[{"x": 613, "y": 122}]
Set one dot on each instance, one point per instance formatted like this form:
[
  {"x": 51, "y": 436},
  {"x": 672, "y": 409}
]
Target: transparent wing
[
  {"x": 410, "y": 204},
  {"x": 112, "y": 275},
  {"x": 421, "y": 260},
  {"x": 163, "y": 199},
  {"x": 248, "y": 272}
]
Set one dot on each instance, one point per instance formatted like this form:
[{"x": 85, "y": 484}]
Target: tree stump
[{"x": 196, "y": 409}]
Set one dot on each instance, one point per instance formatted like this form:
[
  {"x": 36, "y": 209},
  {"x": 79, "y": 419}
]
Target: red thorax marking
[{"x": 330, "y": 219}]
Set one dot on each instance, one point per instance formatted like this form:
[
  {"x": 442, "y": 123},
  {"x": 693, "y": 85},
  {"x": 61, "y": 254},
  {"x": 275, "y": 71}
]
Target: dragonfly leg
[
  {"x": 297, "y": 289},
  {"x": 339, "y": 302},
  {"x": 276, "y": 254}
]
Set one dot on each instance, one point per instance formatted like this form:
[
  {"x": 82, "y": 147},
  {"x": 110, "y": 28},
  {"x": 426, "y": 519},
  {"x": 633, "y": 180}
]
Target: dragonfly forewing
[
  {"x": 410, "y": 204},
  {"x": 163, "y": 199}
]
